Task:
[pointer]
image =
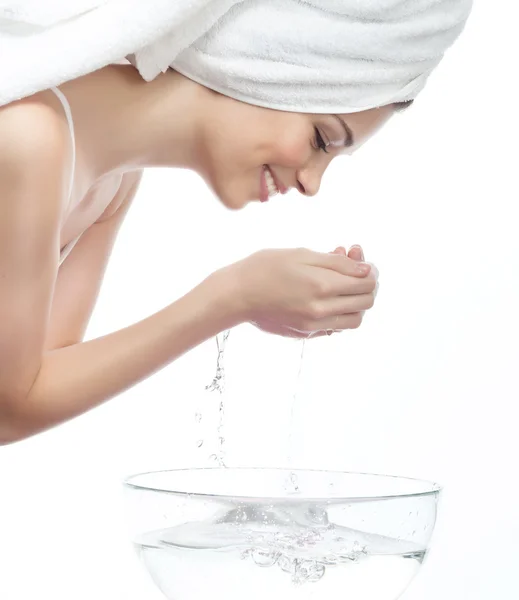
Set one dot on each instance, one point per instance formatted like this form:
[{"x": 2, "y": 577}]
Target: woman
[{"x": 71, "y": 159}]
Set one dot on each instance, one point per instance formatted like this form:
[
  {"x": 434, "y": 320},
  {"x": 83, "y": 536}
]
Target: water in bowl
[{"x": 256, "y": 552}]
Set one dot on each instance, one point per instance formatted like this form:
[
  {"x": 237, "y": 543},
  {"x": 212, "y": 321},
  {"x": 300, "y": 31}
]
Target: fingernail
[{"x": 363, "y": 267}]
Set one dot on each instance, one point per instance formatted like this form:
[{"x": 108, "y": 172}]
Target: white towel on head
[
  {"x": 295, "y": 55},
  {"x": 44, "y": 43},
  {"x": 322, "y": 55}
]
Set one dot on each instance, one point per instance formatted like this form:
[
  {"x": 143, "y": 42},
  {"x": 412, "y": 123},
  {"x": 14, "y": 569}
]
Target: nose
[{"x": 309, "y": 180}]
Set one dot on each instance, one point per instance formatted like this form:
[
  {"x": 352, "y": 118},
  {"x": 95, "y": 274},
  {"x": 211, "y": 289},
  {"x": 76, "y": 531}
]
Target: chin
[
  {"x": 233, "y": 204},
  {"x": 232, "y": 201},
  {"x": 233, "y": 197}
]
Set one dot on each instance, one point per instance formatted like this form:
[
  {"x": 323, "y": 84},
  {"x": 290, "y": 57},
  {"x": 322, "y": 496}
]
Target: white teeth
[{"x": 271, "y": 186}]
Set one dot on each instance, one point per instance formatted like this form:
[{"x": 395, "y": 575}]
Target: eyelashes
[{"x": 320, "y": 144}]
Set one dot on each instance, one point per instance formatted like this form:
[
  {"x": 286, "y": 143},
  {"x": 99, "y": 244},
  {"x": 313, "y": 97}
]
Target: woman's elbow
[{"x": 10, "y": 426}]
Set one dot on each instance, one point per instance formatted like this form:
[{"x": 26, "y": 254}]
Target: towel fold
[{"x": 310, "y": 56}]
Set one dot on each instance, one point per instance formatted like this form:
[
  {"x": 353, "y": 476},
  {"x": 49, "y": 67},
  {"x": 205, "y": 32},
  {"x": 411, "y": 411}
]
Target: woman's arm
[
  {"x": 81, "y": 275},
  {"x": 33, "y": 165},
  {"x": 41, "y": 388},
  {"x": 74, "y": 379}
]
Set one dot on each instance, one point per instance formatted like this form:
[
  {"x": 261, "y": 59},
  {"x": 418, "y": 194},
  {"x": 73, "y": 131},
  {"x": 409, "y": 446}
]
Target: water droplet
[
  {"x": 198, "y": 417},
  {"x": 200, "y": 443},
  {"x": 292, "y": 485}
]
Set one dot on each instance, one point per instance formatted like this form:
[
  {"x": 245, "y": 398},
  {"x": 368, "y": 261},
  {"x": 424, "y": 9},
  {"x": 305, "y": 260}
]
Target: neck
[{"x": 124, "y": 123}]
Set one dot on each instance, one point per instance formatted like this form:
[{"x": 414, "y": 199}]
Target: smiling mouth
[{"x": 271, "y": 184}]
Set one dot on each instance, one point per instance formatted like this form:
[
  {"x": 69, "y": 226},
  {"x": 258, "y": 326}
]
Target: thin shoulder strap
[{"x": 68, "y": 113}]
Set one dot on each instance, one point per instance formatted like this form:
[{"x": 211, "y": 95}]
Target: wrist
[{"x": 224, "y": 296}]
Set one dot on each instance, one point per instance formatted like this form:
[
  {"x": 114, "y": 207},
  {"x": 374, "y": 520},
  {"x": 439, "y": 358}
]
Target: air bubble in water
[
  {"x": 265, "y": 558},
  {"x": 286, "y": 564},
  {"x": 308, "y": 570},
  {"x": 352, "y": 554},
  {"x": 317, "y": 572}
]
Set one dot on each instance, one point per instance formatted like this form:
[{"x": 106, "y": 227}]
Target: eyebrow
[{"x": 350, "y": 140}]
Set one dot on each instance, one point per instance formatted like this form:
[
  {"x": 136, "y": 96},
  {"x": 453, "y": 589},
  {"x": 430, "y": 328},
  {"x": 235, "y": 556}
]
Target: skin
[
  {"x": 165, "y": 123},
  {"x": 242, "y": 138},
  {"x": 48, "y": 374}
]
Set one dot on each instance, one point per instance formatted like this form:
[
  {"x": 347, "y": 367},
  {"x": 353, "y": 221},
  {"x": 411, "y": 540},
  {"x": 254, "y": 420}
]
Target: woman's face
[{"x": 250, "y": 153}]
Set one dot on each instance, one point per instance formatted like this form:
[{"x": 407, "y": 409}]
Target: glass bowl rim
[{"x": 435, "y": 488}]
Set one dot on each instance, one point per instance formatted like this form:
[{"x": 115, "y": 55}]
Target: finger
[
  {"x": 332, "y": 308},
  {"x": 356, "y": 253},
  {"x": 330, "y": 284},
  {"x": 337, "y": 323},
  {"x": 340, "y": 250},
  {"x": 340, "y": 264}
]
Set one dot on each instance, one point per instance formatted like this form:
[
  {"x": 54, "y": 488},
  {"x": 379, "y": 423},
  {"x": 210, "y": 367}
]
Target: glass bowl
[{"x": 253, "y": 533}]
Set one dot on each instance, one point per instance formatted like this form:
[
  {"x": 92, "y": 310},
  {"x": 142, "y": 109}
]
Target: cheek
[{"x": 292, "y": 151}]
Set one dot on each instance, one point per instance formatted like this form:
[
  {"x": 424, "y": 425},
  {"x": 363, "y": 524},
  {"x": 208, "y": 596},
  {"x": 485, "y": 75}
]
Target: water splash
[
  {"x": 218, "y": 382},
  {"x": 292, "y": 484},
  {"x": 304, "y": 554},
  {"x": 270, "y": 537},
  {"x": 218, "y": 385}
]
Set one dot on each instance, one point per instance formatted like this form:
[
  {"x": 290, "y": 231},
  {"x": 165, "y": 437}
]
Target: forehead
[
  {"x": 366, "y": 121},
  {"x": 364, "y": 124}
]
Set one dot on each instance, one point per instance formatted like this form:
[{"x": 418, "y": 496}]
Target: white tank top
[{"x": 68, "y": 113}]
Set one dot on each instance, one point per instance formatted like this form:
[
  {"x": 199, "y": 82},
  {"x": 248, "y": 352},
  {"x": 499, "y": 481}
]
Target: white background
[{"x": 427, "y": 387}]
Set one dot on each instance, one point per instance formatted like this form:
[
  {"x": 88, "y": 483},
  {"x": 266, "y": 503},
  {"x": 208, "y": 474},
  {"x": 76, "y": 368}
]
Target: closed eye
[{"x": 319, "y": 141}]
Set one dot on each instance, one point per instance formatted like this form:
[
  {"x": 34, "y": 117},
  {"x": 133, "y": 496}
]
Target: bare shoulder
[
  {"x": 34, "y": 166},
  {"x": 34, "y": 137}
]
